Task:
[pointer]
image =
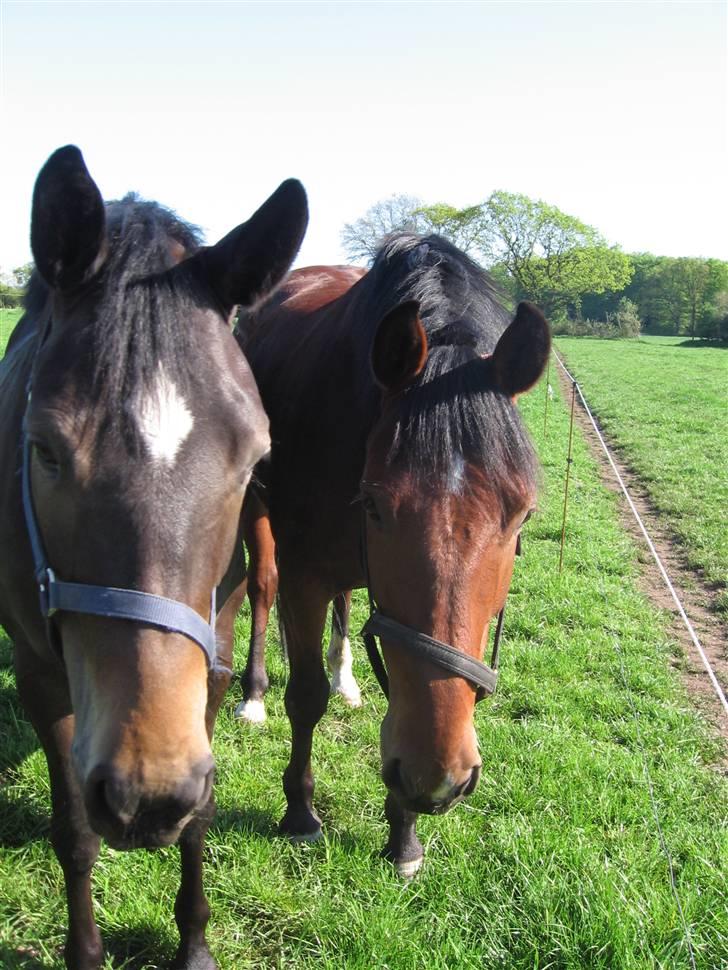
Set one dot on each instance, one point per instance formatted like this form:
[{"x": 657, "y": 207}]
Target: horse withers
[
  {"x": 130, "y": 423},
  {"x": 399, "y": 462}
]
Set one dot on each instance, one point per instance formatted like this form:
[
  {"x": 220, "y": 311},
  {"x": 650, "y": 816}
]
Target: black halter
[
  {"x": 124, "y": 604},
  {"x": 483, "y": 677}
]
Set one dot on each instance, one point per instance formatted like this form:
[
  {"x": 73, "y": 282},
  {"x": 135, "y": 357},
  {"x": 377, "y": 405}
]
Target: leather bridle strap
[
  {"x": 124, "y": 604},
  {"x": 482, "y": 677}
]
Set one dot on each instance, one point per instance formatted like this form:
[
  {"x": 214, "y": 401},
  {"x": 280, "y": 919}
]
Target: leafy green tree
[
  {"x": 22, "y": 274},
  {"x": 552, "y": 258},
  {"x": 463, "y": 227},
  {"x": 11, "y": 294},
  {"x": 627, "y": 319}
]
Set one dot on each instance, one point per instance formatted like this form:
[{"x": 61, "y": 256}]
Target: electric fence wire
[
  {"x": 706, "y": 663},
  {"x": 653, "y": 800}
]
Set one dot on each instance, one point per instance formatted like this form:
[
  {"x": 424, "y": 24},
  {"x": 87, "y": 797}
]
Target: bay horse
[
  {"x": 129, "y": 426},
  {"x": 399, "y": 462},
  {"x": 262, "y": 587}
]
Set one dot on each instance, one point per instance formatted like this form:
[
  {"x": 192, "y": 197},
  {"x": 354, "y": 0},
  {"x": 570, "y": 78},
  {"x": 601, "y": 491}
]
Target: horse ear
[
  {"x": 521, "y": 353},
  {"x": 68, "y": 221},
  {"x": 252, "y": 259},
  {"x": 399, "y": 350}
]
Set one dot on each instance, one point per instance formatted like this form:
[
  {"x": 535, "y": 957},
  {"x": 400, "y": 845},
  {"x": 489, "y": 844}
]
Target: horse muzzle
[
  {"x": 129, "y": 816},
  {"x": 436, "y": 802}
]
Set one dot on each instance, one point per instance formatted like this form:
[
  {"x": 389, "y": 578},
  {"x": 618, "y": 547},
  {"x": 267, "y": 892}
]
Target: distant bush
[
  {"x": 714, "y": 325},
  {"x": 10, "y": 296},
  {"x": 626, "y": 321}
]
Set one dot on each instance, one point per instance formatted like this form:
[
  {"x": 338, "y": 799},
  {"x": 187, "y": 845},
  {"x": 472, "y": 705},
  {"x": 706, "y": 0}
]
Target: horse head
[
  {"x": 449, "y": 481},
  {"x": 143, "y": 424}
]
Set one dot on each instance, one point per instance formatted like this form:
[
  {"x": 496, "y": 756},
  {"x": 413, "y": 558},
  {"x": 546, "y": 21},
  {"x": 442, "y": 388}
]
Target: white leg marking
[
  {"x": 406, "y": 870},
  {"x": 164, "y": 419},
  {"x": 342, "y": 677},
  {"x": 251, "y": 711}
]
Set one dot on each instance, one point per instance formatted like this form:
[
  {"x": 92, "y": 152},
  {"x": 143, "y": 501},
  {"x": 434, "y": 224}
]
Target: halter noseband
[
  {"x": 124, "y": 604},
  {"x": 483, "y": 677}
]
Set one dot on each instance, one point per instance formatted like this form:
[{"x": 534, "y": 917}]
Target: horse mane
[
  {"x": 452, "y": 413},
  {"x": 135, "y": 325}
]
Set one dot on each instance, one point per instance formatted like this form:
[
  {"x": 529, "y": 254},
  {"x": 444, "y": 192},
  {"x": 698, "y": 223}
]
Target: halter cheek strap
[{"x": 483, "y": 677}]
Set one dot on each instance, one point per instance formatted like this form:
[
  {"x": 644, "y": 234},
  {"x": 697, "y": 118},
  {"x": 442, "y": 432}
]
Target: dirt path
[{"x": 695, "y": 594}]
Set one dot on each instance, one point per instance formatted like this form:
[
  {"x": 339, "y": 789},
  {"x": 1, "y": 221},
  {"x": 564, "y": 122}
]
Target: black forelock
[
  {"x": 138, "y": 322},
  {"x": 452, "y": 412}
]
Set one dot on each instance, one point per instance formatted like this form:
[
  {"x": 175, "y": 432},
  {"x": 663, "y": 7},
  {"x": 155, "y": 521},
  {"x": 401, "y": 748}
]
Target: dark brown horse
[
  {"x": 397, "y": 444},
  {"x": 130, "y": 423},
  {"x": 262, "y": 587}
]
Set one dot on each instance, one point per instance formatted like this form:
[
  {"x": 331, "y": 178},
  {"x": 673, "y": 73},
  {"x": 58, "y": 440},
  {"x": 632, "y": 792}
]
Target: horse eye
[
  {"x": 370, "y": 507},
  {"x": 528, "y": 516},
  {"x": 46, "y": 458}
]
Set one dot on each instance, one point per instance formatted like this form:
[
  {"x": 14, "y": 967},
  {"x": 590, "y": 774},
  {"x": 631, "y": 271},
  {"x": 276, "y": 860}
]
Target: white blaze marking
[{"x": 164, "y": 419}]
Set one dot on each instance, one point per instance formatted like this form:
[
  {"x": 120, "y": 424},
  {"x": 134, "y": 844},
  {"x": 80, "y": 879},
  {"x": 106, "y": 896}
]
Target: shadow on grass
[
  {"x": 19, "y": 738},
  {"x": 253, "y": 821},
  {"x": 718, "y": 344},
  {"x": 21, "y": 821},
  {"x": 138, "y": 947},
  {"x": 249, "y": 820},
  {"x": 131, "y": 948},
  {"x": 23, "y": 958}
]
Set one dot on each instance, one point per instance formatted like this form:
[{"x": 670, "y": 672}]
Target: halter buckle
[{"x": 46, "y": 579}]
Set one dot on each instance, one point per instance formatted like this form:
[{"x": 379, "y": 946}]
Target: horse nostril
[
  {"x": 111, "y": 797},
  {"x": 114, "y": 802},
  {"x": 472, "y": 782}
]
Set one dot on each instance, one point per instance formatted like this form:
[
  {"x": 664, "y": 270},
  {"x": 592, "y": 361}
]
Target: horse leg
[
  {"x": 191, "y": 908},
  {"x": 303, "y": 610},
  {"x": 75, "y": 845},
  {"x": 262, "y": 588},
  {"x": 339, "y": 655},
  {"x": 403, "y": 848}
]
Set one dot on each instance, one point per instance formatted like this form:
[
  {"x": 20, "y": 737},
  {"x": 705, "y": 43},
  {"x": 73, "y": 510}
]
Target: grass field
[
  {"x": 664, "y": 402},
  {"x": 555, "y": 862},
  {"x": 8, "y": 319}
]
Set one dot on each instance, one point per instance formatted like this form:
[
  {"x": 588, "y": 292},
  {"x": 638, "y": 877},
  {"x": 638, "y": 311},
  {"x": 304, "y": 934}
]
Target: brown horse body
[
  {"x": 262, "y": 587},
  {"x": 391, "y": 400},
  {"x": 142, "y": 428}
]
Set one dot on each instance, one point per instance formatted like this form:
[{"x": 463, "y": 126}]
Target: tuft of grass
[
  {"x": 9, "y": 316},
  {"x": 663, "y": 402},
  {"x": 555, "y": 860}
]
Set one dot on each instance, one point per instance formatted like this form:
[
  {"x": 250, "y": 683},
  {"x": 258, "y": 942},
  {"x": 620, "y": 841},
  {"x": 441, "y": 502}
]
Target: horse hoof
[
  {"x": 251, "y": 711},
  {"x": 299, "y": 837},
  {"x": 193, "y": 958},
  {"x": 408, "y": 870},
  {"x": 349, "y": 690},
  {"x": 300, "y": 825}
]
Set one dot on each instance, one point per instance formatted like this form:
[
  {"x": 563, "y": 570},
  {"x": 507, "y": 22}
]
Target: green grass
[
  {"x": 8, "y": 319},
  {"x": 555, "y": 861},
  {"x": 664, "y": 403}
]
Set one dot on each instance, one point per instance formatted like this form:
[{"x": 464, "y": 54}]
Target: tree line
[
  {"x": 537, "y": 252},
  {"x": 12, "y": 285}
]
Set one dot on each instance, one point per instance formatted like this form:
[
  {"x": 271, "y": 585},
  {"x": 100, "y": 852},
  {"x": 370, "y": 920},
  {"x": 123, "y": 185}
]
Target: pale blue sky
[{"x": 617, "y": 112}]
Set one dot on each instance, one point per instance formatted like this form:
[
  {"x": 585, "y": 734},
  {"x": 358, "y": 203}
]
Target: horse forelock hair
[
  {"x": 453, "y": 413},
  {"x": 141, "y": 306},
  {"x": 140, "y": 323}
]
